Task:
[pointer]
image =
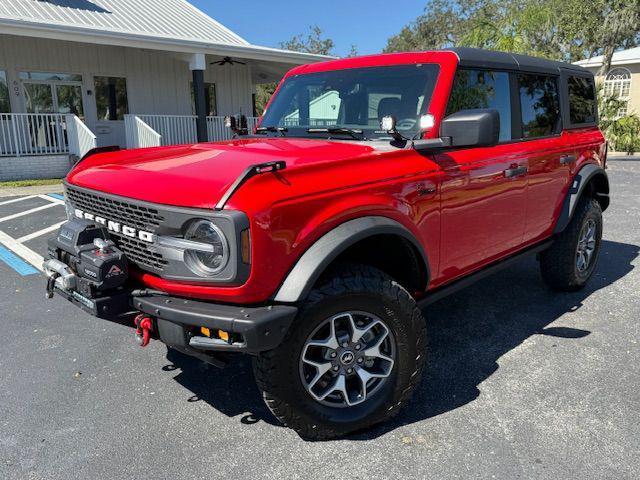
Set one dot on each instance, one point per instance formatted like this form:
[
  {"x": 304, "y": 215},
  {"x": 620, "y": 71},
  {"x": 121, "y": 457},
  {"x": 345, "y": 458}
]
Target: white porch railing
[
  {"x": 216, "y": 130},
  {"x": 174, "y": 129},
  {"x": 177, "y": 129},
  {"x": 24, "y": 134},
  {"x": 80, "y": 139},
  {"x": 139, "y": 134}
]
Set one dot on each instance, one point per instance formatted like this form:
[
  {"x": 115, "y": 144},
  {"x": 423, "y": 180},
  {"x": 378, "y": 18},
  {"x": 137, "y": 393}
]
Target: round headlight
[{"x": 211, "y": 262}]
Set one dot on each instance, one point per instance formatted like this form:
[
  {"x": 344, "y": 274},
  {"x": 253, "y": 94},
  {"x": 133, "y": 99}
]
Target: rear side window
[
  {"x": 483, "y": 89},
  {"x": 540, "y": 105},
  {"x": 582, "y": 100}
]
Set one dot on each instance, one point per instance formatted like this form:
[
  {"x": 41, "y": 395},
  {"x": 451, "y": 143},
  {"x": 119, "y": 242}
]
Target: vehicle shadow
[{"x": 467, "y": 333}]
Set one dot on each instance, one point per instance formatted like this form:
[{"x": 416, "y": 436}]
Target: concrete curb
[{"x": 35, "y": 190}]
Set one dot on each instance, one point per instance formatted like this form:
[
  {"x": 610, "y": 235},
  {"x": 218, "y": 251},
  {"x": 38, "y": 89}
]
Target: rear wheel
[
  {"x": 569, "y": 263},
  {"x": 351, "y": 359}
]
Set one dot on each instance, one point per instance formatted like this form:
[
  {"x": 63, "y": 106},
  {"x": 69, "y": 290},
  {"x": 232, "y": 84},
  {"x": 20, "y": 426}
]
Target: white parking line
[
  {"x": 44, "y": 231},
  {"x": 26, "y": 253},
  {"x": 27, "y": 212},
  {"x": 7, "y": 202}
]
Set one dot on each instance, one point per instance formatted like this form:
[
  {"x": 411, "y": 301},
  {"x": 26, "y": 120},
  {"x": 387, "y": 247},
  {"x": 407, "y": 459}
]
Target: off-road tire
[
  {"x": 353, "y": 287},
  {"x": 558, "y": 263}
]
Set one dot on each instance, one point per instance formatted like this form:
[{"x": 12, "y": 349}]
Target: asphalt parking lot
[{"x": 521, "y": 382}]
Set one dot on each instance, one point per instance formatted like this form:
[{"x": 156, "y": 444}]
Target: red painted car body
[{"x": 457, "y": 203}]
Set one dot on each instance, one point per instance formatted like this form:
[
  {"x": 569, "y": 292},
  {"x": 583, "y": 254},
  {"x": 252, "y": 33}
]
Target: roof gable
[{"x": 175, "y": 19}]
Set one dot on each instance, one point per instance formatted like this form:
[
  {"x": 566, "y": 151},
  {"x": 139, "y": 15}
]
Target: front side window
[
  {"x": 5, "y": 105},
  {"x": 582, "y": 100},
  {"x": 354, "y": 99},
  {"x": 483, "y": 89},
  {"x": 540, "y": 105},
  {"x": 111, "y": 97}
]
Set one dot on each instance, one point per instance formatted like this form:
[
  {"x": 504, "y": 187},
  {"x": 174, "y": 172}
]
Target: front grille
[
  {"x": 136, "y": 216},
  {"x": 127, "y": 213}
]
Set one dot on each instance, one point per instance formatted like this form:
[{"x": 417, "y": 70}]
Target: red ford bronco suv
[{"x": 372, "y": 187}]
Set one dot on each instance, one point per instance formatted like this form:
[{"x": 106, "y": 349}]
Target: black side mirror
[{"x": 472, "y": 128}]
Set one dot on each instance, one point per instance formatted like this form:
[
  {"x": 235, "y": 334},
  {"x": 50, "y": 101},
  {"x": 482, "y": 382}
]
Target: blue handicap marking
[
  {"x": 15, "y": 262},
  {"x": 57, "y": 196}
]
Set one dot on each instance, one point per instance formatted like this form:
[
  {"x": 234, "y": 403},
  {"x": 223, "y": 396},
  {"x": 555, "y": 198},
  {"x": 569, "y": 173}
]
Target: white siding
[{"x": 157, "y": 82}]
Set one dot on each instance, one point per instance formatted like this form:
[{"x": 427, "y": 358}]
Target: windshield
[{"x": 352, "y": 100}]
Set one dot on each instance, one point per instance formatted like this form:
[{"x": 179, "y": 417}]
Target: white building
[
  {"x": 623, "y": 78},
  {"x": 75, "y": 74}
]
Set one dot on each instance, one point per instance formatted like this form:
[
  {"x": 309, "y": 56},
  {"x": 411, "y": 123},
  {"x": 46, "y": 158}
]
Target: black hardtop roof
[{"x": 478, "y": 58}]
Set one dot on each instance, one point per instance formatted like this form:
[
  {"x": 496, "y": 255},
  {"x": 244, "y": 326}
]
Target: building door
[
  {"x": 48, "y": 96},
  {"x": 53, "y": 93}
]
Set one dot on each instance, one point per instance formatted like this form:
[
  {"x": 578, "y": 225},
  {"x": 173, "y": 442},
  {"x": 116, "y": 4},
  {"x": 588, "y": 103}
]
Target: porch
[
  {"x": 143, "y": 131},
  {"x": 59, "y": 99},
  {"x": 47, "y": 145}
]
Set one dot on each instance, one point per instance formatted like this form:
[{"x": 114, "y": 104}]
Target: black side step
[{"x": 458, "y": 285}]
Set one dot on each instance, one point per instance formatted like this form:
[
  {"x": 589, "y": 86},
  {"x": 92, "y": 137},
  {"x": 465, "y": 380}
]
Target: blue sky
[{"x": 364, "y": 23}]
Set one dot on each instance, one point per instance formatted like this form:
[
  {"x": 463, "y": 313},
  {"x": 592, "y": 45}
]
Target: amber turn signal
[
  {"x": 245, "y": 241},
  {"x": 223, "y": 335}
]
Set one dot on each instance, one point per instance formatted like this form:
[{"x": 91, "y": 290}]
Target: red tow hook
[{"x": 144, "y": 327}]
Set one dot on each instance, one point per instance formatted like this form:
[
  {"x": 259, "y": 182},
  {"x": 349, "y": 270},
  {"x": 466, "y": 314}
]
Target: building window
[
  {"x": 582, "y": 100},
  {"x": 540, "y": 105},
  {"x": 50, "y": 77},
  {"x": 111, "y": 98},
  {"x": 483, "y": 89},
  {"x": 5, "y": 105},
  {"x": 209, "y": 100},
  {"x": 52, "y": 92},
  {"x": 617, "y": 84}
]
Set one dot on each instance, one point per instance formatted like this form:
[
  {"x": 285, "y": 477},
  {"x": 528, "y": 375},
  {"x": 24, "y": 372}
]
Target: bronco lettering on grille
[{"x": 116, "y": 227}]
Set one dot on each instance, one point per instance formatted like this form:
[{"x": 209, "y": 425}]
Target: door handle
[
  {"x": 515, "y": 172},
  {"x": 567, "y": 159}
]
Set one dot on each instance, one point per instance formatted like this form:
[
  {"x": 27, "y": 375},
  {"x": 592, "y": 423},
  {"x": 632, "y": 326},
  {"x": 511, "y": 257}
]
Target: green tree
[
  {"x": 622, "y": 132},
  {"x": 558, "y": 29},
  {"x": 311, "y": 42}
]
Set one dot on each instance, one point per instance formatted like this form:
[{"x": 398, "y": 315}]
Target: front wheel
[{"x": 351, "y": 359}]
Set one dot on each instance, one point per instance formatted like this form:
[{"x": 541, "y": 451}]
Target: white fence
[
  {"x": 80, "y": 139},
  {"x": 216, "y": 130},
  {"x": 177, "y": 129},
  {"x": 23, "y": 134},
  {"x": 174, "y": 129},
  {"x": 139, "y": 134}
]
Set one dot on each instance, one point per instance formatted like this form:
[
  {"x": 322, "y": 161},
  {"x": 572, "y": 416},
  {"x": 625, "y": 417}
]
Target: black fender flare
[
  {"x": 317, "y": 258},
  {"x": 578, "y": 184}
]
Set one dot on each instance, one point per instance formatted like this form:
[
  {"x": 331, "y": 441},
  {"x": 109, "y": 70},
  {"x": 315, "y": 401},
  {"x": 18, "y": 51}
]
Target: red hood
[{"x": 198, "y": 175}]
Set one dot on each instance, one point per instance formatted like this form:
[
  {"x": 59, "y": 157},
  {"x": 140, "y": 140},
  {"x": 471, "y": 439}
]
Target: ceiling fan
[{"x": 228, "y": 61}]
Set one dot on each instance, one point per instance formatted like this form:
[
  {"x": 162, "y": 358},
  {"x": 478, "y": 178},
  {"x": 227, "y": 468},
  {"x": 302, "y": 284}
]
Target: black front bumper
[
  {"x": 178, "y": 321},
  {"x": 255, "y": 329}
]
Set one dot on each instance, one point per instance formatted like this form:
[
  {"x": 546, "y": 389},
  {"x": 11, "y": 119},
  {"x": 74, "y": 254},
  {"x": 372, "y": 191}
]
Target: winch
[{"x": 87, "y": 268}]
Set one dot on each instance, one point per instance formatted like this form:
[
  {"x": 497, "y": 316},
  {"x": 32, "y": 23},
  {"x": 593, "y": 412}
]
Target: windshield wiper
[
  {"x": 331, "y": 130},
  {"x": 280, "y": 130}
]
